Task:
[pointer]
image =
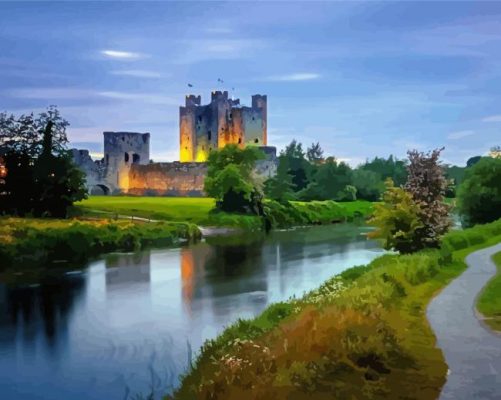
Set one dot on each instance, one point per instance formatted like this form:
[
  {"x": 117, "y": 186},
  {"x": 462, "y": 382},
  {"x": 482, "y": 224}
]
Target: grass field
[
  {"x": 489, "y": 302},
  {"x": 363, "y": 334},
  {"x": 201, "y": 211}
]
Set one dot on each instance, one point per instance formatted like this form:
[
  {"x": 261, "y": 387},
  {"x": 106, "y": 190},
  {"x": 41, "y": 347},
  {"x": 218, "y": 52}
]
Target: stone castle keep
[{"x": 126, "y": 166}]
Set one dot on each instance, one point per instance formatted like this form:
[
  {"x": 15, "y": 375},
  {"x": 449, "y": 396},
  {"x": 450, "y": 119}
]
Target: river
[{"x": 126, "y": 323}]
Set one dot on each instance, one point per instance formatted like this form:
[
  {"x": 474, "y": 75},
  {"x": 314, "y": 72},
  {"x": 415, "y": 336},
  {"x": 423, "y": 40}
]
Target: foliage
[
  {"x": 25, "y": 134},
  {"x": 368, "y": 184},
  {"x": 41, "y": 178},
  {"x": 230, "y": 179},
  {"x": 472, "y": 161},
  {"x": 396, "y": 220},
  {"x": 387, "y": 168},
  {"x": 455, "y": 176},
  {"x": 328, "y": 182},
  {"x": 363, "y": 334},
  {"x": 33, "y": 242},
  {"x": 280, "y": 187},
  {"x": 480, "y": 193},
  {"x": 315, "y": 154},
  {"x": 427, "y": 185},
  {"x": 296, "y": 164}
]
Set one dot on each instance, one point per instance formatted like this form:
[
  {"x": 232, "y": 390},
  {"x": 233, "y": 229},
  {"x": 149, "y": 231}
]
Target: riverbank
[
  {"x": 33, "y": 242},
  {"x": 363, "y": 334},
  {"x": 489, "y": 301},
  {"x": 202, "y": 212}
]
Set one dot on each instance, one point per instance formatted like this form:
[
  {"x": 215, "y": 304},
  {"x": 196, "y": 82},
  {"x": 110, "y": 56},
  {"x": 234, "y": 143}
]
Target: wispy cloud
[
  {"x": 137, "y": 73},
  {"x": 123, "y": 55},
  {"x": 142, "y": 97},
  {"x": 305, "y": 76},
  {"x": 459, "y": 135},
  {"x": 492, "y": 118},
  {"x": 198, "y": 50},
  {"x": 221, "y": 29}
]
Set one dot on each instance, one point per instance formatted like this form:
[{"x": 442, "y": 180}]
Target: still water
[{"x": 128, "y": 323}]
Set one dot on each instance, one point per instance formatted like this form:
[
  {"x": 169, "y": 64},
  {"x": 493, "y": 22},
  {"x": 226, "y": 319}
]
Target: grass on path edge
[{"x": 489, "y": 301}]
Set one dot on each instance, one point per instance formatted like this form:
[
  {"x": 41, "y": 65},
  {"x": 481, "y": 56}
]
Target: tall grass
[
  {"x": 363, "y": 334},
  {"x": 34, "y": 242}
]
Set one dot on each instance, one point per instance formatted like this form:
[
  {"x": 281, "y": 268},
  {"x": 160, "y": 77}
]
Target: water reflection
[{"x": 128, "y": 320}]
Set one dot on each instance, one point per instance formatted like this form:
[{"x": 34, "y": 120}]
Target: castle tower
[
  {"x": 121, "y": 151},
  {"x": 203, "y": 128}
]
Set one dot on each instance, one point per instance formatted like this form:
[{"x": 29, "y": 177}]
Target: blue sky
[{"x": 363, "y": 79}]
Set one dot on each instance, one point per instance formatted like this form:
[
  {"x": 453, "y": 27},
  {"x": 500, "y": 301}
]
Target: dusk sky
[{"x": 363, "y": 79}]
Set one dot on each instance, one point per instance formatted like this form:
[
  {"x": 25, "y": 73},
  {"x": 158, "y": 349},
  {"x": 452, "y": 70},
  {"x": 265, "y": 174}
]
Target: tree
[
  {"x": 296, "y": 164},
  {"x": 368, "y": 183},
  {"x": 396, "y": 220},
  {"x": 230, "y": 179},
  {"x": 41, "y": 177},
  {"x": 480, "y": 193},
  {"x": 427, "y": 184},
  {"x": 328, "y": 182},
  {"x": 388, "y": 168},
  {"x": 472, "y": 161},
  {"x": 414, "y": 216},
  {"x": 280, "y": 187},
  {"x": 315, "y": 154},
  {"x": 25, "y": 134}
]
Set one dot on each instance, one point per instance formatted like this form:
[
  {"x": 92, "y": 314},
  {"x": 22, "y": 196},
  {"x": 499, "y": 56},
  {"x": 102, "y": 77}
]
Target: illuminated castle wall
[{"x": 222, "y": 121}]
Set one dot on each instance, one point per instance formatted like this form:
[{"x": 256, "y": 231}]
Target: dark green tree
[
  {"x": 472, "y": 161},
  {"x": 231, "y": 181},
  {"x": 41, "y": 177},
  {"x": 368, "y": 183},
  {"x": 315, "y": 154},
  {"x": 296, "y": 164},
  {"x": 480, "y": 193},
  {"x": 328, "y": 182},
  {"x": 280, "y": 187},
  {"x": 388, "y": 168}
]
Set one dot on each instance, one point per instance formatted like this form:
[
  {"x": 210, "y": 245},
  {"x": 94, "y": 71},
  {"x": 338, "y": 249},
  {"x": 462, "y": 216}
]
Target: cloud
[
  {"x": 225, "y": 30},
  {"x": 137, "y": 73},
  {"x": 492, "y": 118},
  {"x": 306, "y": 76},
  {"x": 123, "y": 55},
  {"x": 142, "y": 97},
  {"x": 459, "y": 135}
]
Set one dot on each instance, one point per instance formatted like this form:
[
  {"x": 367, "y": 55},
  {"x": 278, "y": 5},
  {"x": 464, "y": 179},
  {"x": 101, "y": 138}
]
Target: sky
[{"x": 364, "y": 79}]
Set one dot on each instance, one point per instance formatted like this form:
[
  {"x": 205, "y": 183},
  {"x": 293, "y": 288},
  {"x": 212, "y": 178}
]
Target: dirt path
[{"x": 472, "y": 351}]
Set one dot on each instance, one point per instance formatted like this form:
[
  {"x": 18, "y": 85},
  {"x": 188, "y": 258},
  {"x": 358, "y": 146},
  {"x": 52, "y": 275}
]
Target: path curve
[{"x": 472, "y": 351}]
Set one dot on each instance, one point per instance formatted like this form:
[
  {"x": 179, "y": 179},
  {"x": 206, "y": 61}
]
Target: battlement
[
  {"x": 218, "y": 96},
  {"x": 192, "y": 100}
]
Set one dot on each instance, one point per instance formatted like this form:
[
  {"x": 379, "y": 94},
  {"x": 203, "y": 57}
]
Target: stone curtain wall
[{"x": 167, "y": 179}]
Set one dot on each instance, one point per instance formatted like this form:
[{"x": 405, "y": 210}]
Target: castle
[
  {"x": 126, "y": 165},
  {"x": 222, "y": 121}
]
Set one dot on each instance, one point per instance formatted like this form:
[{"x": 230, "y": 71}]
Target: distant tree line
[{"x": 40, "y": 178}]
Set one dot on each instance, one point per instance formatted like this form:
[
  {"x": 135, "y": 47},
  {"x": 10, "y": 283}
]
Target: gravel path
[{"x": 472, "y": 351}]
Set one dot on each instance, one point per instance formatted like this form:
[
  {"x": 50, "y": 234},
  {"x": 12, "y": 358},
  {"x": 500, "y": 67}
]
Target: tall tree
[
  {"x": 315, "y": 154},
  {"x": 296, "y": 164},
  {"x": 280, "y": 186}
]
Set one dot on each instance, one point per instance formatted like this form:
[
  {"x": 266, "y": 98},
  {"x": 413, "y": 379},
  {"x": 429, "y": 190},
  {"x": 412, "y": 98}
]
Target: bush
[{"x": 480, "y": 193}]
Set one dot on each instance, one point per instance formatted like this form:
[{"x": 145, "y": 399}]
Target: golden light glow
[{"x": 187, "y": 274}]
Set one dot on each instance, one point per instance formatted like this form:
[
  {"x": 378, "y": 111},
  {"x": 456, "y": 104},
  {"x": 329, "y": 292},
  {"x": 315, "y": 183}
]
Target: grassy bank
[
  {"x": 363, "y": 334},
  {"x": 489, "y": 301},
  {"x": 32, "y": 242},
  {"x": 201, "y": 211}
]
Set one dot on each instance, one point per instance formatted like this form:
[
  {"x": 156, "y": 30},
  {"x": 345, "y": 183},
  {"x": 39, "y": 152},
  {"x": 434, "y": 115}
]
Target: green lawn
[
  {"x": 489, "y": 302},
  {"x": 189, "y": 209},
  {"x": 198, "y": 211}
]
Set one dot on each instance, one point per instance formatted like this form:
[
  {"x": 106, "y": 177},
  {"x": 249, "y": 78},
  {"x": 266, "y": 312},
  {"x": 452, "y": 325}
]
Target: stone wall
[{"x": 167, "y": 179}]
